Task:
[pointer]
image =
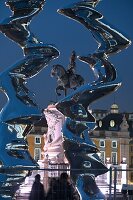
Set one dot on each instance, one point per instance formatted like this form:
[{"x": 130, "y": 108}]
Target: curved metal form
[
  {"x": 21, "y": 108},
  {"x": 80, "y": 151},
  {"x": 109, "y": 40}
]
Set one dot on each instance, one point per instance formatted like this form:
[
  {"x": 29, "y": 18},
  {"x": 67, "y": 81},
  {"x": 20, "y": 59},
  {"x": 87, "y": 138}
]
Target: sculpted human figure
[{"x": 53, "y": 148}]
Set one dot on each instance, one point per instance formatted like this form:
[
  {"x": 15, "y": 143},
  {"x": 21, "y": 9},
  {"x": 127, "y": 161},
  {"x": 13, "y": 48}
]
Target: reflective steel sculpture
[
  {"x": 20, "y": 109},
  {"x": 80, "y": 151}
]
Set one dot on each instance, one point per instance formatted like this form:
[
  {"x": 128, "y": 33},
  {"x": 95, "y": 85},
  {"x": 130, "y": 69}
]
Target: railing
[{"x": 110, "y": 183}]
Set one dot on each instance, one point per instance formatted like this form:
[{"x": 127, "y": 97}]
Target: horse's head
[
  {"x": 57, "y": 70},
  {"x": 54, "y": 70}
]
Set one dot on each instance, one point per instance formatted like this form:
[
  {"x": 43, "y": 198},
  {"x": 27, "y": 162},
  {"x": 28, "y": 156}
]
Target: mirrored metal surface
[
  {"x": 16, "y": 27},
  {"x": 109, "y": 39},
  {"x": 103, "y": 70},
  {"x": 20, "y": 108},
  {"x": 80, "y": 151}
]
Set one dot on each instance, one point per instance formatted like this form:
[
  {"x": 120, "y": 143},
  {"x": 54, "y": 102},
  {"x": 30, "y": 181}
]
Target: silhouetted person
[
  {"x": 37, "y": 191},
  {"x": 62, "y": 189},
  {"x": 52, "y": 189},
  {"x": 124, "y": 192}
]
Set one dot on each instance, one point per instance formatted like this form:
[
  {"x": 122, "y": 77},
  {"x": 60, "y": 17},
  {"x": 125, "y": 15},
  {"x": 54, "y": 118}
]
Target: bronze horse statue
[{"x": 67, "y": 78}]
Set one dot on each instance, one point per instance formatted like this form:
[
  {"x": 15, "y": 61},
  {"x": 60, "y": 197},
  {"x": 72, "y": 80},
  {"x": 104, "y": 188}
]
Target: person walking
[
  {"x": 62, "y": 189},
  {"x": 37, "y": 190}
]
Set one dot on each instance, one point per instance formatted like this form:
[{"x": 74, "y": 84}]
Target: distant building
[
  {"x": 113, "y": 137},
  {"x": 99, "y": 114},
  {"x": 36, "y": 139},
  {"x": 131, "y": 161}
]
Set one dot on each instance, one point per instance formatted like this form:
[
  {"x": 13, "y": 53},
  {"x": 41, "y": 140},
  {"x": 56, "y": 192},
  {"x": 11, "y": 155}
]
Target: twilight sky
[{"x": 68, "y": 35}]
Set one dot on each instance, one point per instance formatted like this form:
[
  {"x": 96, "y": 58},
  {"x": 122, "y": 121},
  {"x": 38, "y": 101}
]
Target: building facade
[
  {"x": 36, "y": 139},
  {"x": 113, "y": 137}
]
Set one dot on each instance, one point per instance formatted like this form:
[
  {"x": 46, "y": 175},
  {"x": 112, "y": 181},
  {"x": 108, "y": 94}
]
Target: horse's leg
[{"x": 59, "y": 88}]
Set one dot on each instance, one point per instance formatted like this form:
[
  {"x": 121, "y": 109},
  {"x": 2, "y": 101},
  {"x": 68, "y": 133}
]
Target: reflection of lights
[
  {"x": 24, "y": 190},
  {"x": 87, "y": 164},
  {"x": 108, "y": 159},
  {"x": 104, "y": 190},
  {"x": 124, "y": 160},
  {"x": 124, "y": 173},
  {"x": 1, "y": 164},
  {"x": 119, "y": 187},
  {"x": 99, "y": 154},
  {"x": 6, "y": 196}
]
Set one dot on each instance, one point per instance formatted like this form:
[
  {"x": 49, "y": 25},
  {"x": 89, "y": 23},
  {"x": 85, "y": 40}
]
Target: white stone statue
[{"x": 53, "y": 149}]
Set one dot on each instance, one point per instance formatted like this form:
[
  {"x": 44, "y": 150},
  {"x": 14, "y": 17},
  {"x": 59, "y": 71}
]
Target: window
[
  {"x": 79, "y": 110},
  {"x": 114, "y": 144},
  {"x": 102, "y": 143},
  {"x": 114, "y": 157},
  {"x": 37, "y": 154},
  {"x": 37, "y": 140},
  {"x": 100, "y": 123},
  {"x": 102, "y": 156},
  {"x": 112, "y": 123}
]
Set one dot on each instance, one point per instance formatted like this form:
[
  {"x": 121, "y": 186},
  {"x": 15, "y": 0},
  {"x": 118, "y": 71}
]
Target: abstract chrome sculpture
[
  {"x": 80, "y": 151},
  {"x": 20, "y": 109}
]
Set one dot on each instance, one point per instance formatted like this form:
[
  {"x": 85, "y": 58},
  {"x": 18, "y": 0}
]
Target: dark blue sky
[{"x": 68, "y": 35}]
